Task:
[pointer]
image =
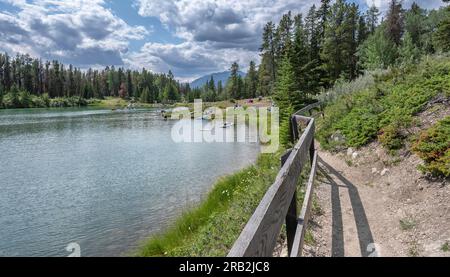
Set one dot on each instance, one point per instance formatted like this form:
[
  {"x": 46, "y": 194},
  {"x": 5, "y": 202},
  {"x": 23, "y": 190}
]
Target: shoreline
[{"x": 221, "y": 215}]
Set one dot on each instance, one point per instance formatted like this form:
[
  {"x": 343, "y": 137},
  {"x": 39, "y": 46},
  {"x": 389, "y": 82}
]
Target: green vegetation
[
  {"x": 29, "y": 82},
  {"x": 433, "y": 146},
  {"x": 407, "y": 224},
  {"x": 23, "y": 99},
  {"x": 414, "y": 249},
  {"x": 445, "y": 247},
  {"x": 385, "y": 109},
  {"x": 334, "y": 44},
  {"x": 212, "y": 227},
  {"x": 118, "y": 103}
]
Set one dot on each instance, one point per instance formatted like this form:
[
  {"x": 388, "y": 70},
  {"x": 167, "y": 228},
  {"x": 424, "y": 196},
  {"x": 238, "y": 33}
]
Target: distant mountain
[{"x": 219, "y": 76}]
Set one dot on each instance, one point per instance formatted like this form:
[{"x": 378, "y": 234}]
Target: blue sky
[{"x": 189, "y": 37}]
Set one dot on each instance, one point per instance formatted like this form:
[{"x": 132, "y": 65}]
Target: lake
[{"x": 105, "y": 180}]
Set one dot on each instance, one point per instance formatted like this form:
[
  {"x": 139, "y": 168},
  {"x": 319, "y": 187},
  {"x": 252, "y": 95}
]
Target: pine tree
[
  {"x": 415, "y": 24},
  {"x": 251, "y": 81},
  {"x": 284, "y": 36},
  {"x": 395, "y": 22},
  {"x": 212, "y": 84},
  {"x": 283, "y": 97},
  {"x": 130, "y": 84},
  {"x": 323, "y": 13},
  {"x": 170, "y": 92},
  {"x": 300, "y": 60},
  {"x": 377, "y": 51},
  {"x": 233, "y": 85},
  {"x": 268, "y": 49},
  {"x": 145, "y": 96},
  {"x": 219, "y": 89},
  {"x": 6, "y": 74},
  {"x": 265, "y": 76},
  {"x": 351, "y": 41},
  {"x": 335, "y": 42},
  {"x": 312, "y": 34},
  {"x": 372, "y": 15},
  {"x": 442, "y": 35},
  {"x": 363, "y": 31},
  {"x": 408, "y": 52}
]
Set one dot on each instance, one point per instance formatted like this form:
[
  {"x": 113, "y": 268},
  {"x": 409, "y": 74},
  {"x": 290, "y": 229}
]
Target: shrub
[
  {"x": 433, "y": 146},
  {"x": 386, "y": 108},
  {"x": 392, "y": 136},
  {"x": 37, "y": 102},
  {"x": 24, "y": 99},
  {"x": 46, "y": 99}
]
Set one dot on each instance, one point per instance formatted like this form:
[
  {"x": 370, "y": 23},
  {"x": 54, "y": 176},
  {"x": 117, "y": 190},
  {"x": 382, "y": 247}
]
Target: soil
[
  {"x": 374, "y": 204},
  {"x": 378, "y": 205}
]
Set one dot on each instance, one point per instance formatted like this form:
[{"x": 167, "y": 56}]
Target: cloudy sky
[{"x": 189, "y": 37}]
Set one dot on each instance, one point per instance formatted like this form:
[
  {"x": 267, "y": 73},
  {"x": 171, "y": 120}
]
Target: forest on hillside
[
  {"x": 301, "y": 56},
  {"x": 305, "y": 54}
]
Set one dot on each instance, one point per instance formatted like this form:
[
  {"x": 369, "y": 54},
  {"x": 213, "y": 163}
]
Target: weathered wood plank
[
  {"x": 285, "y": 156},
  {"x": 303, "y": 119},
  {"x": 305, "y": 212},
  {"x": 295, "y": 130},
  {"x": 258, "y": 239},
  {"x": 308, "y": 108},
  {"x": 291, "y": 216}
]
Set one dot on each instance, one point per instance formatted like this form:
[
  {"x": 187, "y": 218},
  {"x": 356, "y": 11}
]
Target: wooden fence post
[
  {"x": 294, "y": 129},
  {"x": 259, "y": 236},
  {"x": 291, "y": 216}
]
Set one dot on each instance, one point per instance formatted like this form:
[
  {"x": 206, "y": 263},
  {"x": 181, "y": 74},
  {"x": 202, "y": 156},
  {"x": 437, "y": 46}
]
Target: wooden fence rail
[{"x": 279, "y": 204}]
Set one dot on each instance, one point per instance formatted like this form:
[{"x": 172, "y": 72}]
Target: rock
[
  {"x": 355, "y": 155},
  {"x": 350, "y": 151},
  {"x": 384, "y": 172},
  {"x": 338, "y": 136},
  {"x": 374, "y": 170}
]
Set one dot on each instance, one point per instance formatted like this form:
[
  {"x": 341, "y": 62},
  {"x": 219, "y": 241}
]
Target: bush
[
  {"x": 25, "y": 99},
  {"x": 391, "y": 137},
  {"x": 433, "y": 146},
  {"x": 386, "y": 108},
  {"x": 46, "y": 99},
  {"x": 38, "y": 102}
]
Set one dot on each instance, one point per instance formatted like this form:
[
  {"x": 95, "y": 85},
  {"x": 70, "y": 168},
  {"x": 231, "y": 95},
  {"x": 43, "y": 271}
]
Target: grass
[
  {"x": 445, "y": 247},
  {"x": 407, "y": 224},
  {"x": 211, "y": 228},
  {"x": 414, "y": 249},
  {"x": 349, "y": 162},
  {"x": 265, "y": 102},
  {"x": 386, "y": 107},
  {"x": 109, "y": 102},
  {"x": 117, "y": 103}
]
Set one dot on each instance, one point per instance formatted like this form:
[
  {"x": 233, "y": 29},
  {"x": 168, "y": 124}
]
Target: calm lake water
[{"x": 105, "y": 180}]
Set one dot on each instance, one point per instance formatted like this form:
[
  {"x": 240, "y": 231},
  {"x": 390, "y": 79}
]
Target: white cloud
[
  {"x": 74, "y": 31},
  {"x": 189, "y": 59},
  {"x": 221, "y": 21},
  {"x": 383, "y": 5},
  {"x": 216, "y": 32}
]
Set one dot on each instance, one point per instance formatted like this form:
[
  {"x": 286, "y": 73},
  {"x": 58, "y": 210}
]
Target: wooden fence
[{"x": 279, "y": 204}]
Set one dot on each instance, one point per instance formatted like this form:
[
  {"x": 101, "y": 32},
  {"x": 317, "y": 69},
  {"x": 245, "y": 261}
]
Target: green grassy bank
[{"x": 211, "y": 228}]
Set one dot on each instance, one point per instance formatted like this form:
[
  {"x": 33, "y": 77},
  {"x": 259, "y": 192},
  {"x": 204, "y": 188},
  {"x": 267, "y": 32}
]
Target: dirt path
[{"x": 372, "y": 205}]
